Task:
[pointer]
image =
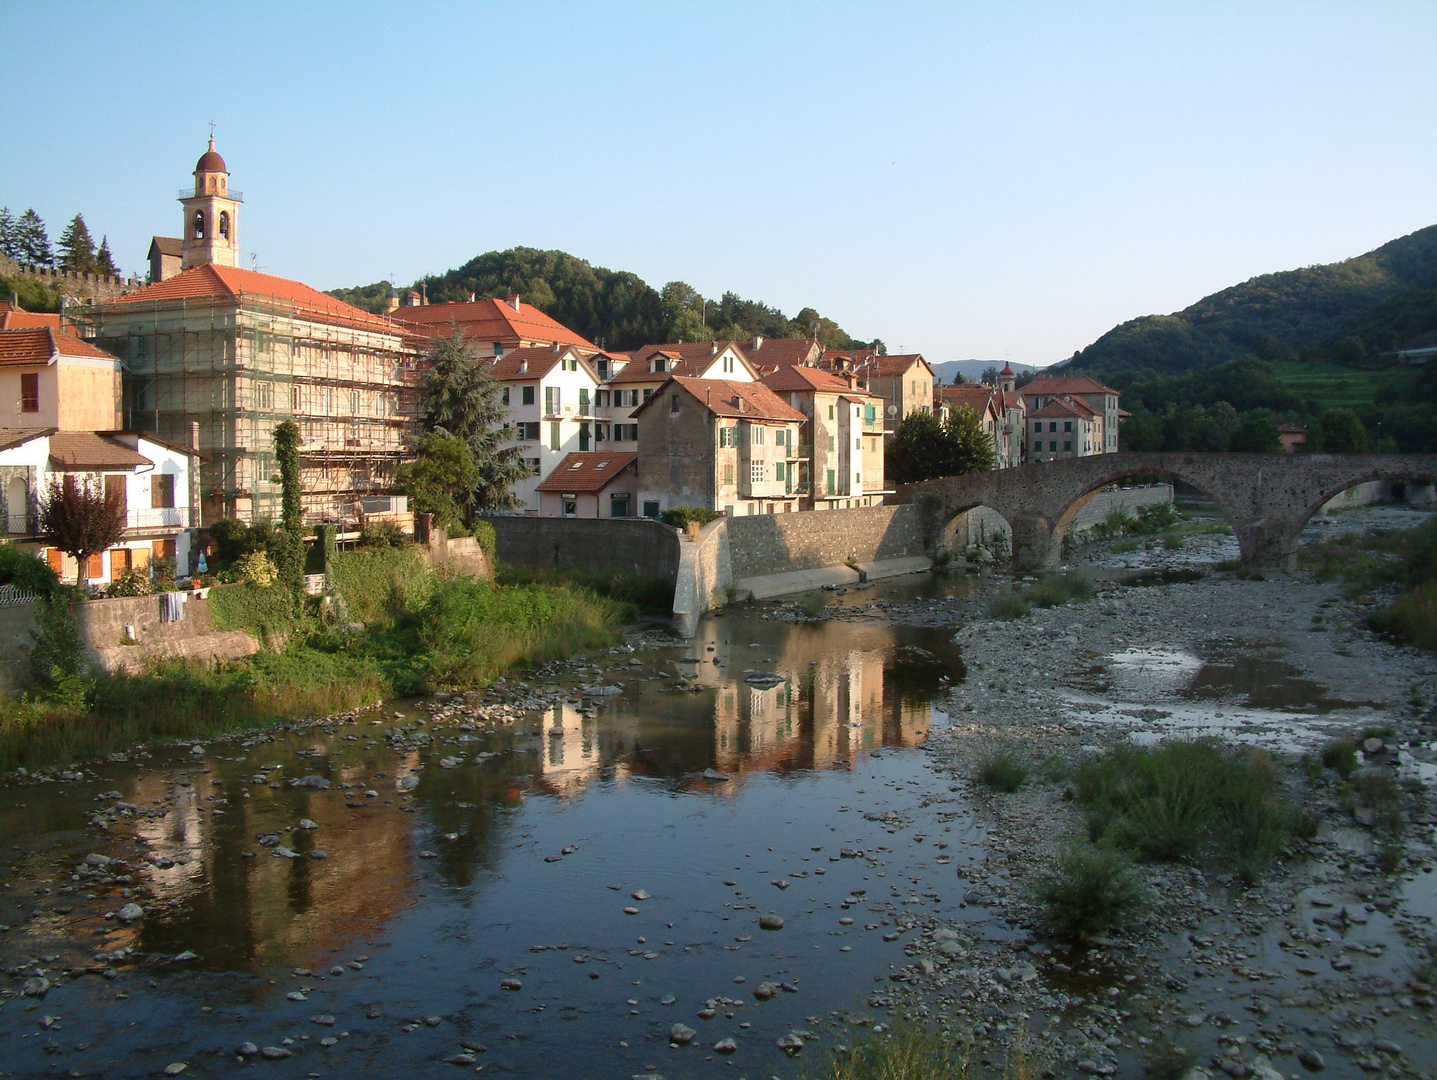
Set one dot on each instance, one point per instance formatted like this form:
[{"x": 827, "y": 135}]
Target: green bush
[
  {"x": 130, "y": 583},
  {"x": 907, "y": 1051},
  {"x": 1008, "y": 605},
  {"x": 26, "y": 571},
  {"x": 1180, "y": 799},
  {"x": 1001, "y": 770},
  {"x": 813, "y": 606},
  {"x": 484, "y": 535},
  {"x": 1090, "y": 890},
  {"x": 1340, "y": 755},
  {"x": 380, "y": 583},
  {"x": 265, "y": 611},
  {"x": 382, "y": 534},
  {"x": 651, "y": 594},
  {"x": 680, "y": 516}
]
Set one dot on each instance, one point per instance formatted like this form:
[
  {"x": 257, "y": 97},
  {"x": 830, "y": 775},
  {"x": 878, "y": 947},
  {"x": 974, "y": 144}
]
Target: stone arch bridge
[{"x": 1267, "y": 498}]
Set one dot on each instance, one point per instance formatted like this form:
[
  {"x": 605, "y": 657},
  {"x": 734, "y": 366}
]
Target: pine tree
[
  {"x": 77, "y": 248},
  {"x": 9, "y": 237},
  {"x": 104, "y": 260},
  {"x": 32, "y": 241},
  {"x": 460, "y": 399}
]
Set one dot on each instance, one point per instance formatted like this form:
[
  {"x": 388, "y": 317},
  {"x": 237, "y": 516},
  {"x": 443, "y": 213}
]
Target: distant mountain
[
  {"x": 1280, "y": 314},
  {"x": 613, "y": 308},
  {"x": 972, "y": 370}
]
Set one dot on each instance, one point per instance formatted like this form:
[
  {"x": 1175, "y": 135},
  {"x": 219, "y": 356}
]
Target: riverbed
[{"x": 571, "y": 874}]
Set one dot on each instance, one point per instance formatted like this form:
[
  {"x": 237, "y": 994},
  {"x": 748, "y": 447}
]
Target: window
[
  {"x": 529, "y": 430},
  {"x": 673, "y": 403},
  {"x": 30, "y": 392},
  {"x": 757, "y": 437},
  {"x": 832, "y": 444},
  {"x": 1068, "y": 444},
  {"x": 526, "y": 395},
  {"x": 552, "y": 398},
  {"x": 354, "y": 403},
  {"x": 504, "y": 395},
  {"x": 224, "y": 225},
  {"x": 728, "y": 473},
  {"x": 602, "y": 367},
  {"x": 326, "y": 397},
  {"x": 618, "y": 505},
  {"x": 162, "y": 491},
  {"x": 294, "y": 398},
  {"x": 601, "y": 399},
  {"x": 1037, "y": 425},
  {"x": 1053, "y": 446},
  {"x": 651, "y": 508},
  {"x": 583, "y": 437},
  {"x": 728, "y": 436},
  {"x": 728, "y": 364},
  {"x": 778, "y": 471},
  {"x": 858, "y": 480},
  {"x": 533, "y": 464},
  {"x": 830, "y": 412},
  {"x": 755, "y": 472},
  {"x": 583, "y": 401},
  {"x": 648, "y": 393},
  {"x": 1067, "y": 425},
  {"x": 626, "y": 432},
  {"x": 555, "y": 440},
  {"x": 601, "y": 433},
  {"x": 858, "y": 443},
  {"x": 869, "y": 415},
  {"x": 571, "y": 506},
  {"x": 832, "y": 481},
  {"x": 661, "y": 365}
]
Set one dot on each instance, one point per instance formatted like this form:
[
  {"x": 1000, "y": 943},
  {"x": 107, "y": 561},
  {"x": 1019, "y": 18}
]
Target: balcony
[
  {"x": 229, "y": 193},
  {"x": 161, "y": 518}
]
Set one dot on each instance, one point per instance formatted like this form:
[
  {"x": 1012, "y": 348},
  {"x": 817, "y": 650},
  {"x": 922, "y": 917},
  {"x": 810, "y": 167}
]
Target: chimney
[
  {"x": 853, "y": 382},
  {"x": 471, "y": 298},
  {"x": 556, "y": 347},
  {"x": 757, "y": 342},
  {"x": 523, "y": 367},
  {"x": 512, "y": 300},
  {"x": 411, "y": 298},
  {"x": 713, "y": 347}
]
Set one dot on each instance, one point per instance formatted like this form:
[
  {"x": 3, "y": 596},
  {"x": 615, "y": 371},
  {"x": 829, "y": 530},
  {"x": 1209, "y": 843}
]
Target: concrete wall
[
  {"x": 634, "y": 544},
  {"x": 705, "y": 575},
  {"x": 460, "y": 553},
  {"x": 1379, "y": 491},
  {"x": 125, "y": 633},
  {"x": 16, "y": 623},
  {"x": 782, "y": 543}
]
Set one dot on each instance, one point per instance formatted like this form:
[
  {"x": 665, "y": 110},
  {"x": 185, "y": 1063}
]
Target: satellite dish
[{"x": 893, "y": 410}]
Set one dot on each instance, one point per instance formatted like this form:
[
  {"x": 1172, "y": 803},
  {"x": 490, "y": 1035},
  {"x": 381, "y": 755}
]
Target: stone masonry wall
[
  {"x": 633, "y": 544},
  {"x": 16, "y": 622},
  {"x": 780, "y": 543},
  {"x": 108, "y": 645}
]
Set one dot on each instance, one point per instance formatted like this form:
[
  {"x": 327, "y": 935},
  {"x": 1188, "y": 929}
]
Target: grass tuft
[
  {"x": 1001, "y": 770},
  {"x": 1340, "y": 755},
  {"x": 1089, "y": 890},
  {"x": 907, "y": 1051}
]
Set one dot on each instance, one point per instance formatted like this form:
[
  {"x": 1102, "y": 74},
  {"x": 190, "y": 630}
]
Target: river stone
[
  {"x": 681, "y": 1034},
  {"x": 37, "y": 986},
  {"x": 791, "y": 1044},
  {"x": 510, "y": 984},
  {"x": 130, "y": 913},
  {"x": 461, "y": 1059},
  {"x": 246, "y": 1049},
  {"x": 770, "y": 922},
  {"x": 765, "y": 990},
  {"x": 317, "y": 783},
  {"x": 1311, "y": 1058},
  {"x": 276, "y": 1053},
  {"x": 1373, "y": 746},
  {"x": 641, "y": 895},
  {"x": 175, "y": 1068},
  {"x": 407, "y": 783},
  {"x": 305, "y": 823},
  {"x": 725, "y": 1046},
  {"x": 317, "y": 854},
  {"x": 714, "y": 776},
  {"x": 322, "y": 1019}
]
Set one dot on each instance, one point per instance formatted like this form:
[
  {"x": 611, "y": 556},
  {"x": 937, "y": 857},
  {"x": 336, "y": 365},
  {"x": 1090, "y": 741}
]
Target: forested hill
[
  {"x": 1382, "y": 297},
  {"x": 613, "y": 308}
]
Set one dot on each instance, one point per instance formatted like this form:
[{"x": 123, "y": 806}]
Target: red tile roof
[
  {"x": 1071, "y": 384},
  {"x": 781, "y": 352},
  {"x": 1064, "y": 407},
  {"x": 524, "y": 364},
  {"x": 91, "y": 450},
  {"x": 17, "y": 436},
  {"x": 586, "y": 472},
  {"x": 749, "y": 400},
  {"x": 14, "y": 317},
  {"x": 491, "y": 320},
  {"x": 979, "y": 398},
  {"x": 39, "y": 345},
  {"x": 804, "y": 379},
  {"x": 688, "y": 359},
  {"x": 233, "y": 283}
]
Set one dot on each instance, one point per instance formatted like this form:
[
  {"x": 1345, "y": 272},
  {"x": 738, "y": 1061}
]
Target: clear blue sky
[{"x": 964, "y": 179}]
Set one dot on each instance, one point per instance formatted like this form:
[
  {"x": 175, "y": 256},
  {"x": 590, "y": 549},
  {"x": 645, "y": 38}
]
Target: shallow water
[{"x": 516, "y": 863}]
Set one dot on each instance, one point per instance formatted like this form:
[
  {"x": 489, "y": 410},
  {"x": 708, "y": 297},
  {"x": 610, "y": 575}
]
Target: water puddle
[{"x": 548, "y": 897}]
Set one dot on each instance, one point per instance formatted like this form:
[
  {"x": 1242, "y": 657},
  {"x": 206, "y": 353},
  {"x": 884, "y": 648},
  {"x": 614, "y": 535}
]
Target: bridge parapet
[{"x": 1267, "y": 498}]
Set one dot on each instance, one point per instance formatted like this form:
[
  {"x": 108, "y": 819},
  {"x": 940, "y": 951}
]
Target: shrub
[
  {"x": 1169, "y": 1061},
  {"x": 1058, "y": 589},
  {"x": 380, "y": 583},
  {"x": 908, "y": 1051},
  {"x": 1001, "y": 770},
  {"x": 680, "y": 516},
  {"x": 484, "y": 535},
  {"x": 1340, "y": 755},
  {"x": 130, "y": 583},
  {"x": 1090, "y": 890},
  {"x": 813, "y": 606},
  {"x": 382, "y": 534},
  {"x": 1008, "y": 605},
  {"x": 257, "y": 569},
  {"x": 26, "y": 571}
]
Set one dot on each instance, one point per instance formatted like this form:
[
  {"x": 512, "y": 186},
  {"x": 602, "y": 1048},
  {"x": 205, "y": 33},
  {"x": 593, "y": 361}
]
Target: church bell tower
[{"x": 211, "y": 215}]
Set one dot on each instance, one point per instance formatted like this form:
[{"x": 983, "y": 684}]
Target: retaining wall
[
  {"x": 638, "y": 545},
  {"x": 125, "y": 633},
  {"x": 16, "y": 623},
  {"x": 812, "y": 539}
]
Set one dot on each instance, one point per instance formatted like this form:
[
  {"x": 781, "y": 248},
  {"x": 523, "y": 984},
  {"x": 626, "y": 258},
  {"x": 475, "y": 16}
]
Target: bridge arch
[
  {"x": 1172, "y": 473},
  {"x": 1374, "y": 474}
]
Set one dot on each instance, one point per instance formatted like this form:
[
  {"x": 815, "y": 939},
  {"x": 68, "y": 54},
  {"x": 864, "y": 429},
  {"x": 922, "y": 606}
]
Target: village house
[
  {"x": 1066, "y": 427},
  {"x": 634, "y": 378},
  {"x": 767, "y": 355},
  {"x": 51, "y": 379},
  {"x": 984, "y": 402},
  {"x": 1099, "y": 399},
  {"x": 841, "y": 451},
  {"x": 592, "y": 485},
  {"x": 549, "y": 395},
  {"x": 151, "y": 477},
  {"x": 492, "y": 327},
  {"x": 725, "y": 445},
  {"x": 904, "y": 382},
  {"x": 216, "y": 356}
]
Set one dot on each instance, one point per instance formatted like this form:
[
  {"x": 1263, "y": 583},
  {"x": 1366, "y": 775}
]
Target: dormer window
[
  {"x": 199, "y": 224},
  {"x": 661, "y": 364},
  {"x": 224, "y": 225}
]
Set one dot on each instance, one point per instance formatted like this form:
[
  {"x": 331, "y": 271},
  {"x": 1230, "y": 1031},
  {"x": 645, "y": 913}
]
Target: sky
[{"x": 999, "y": 179}]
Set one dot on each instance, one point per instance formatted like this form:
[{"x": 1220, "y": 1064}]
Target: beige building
[
  {"x": 1065, "y": 427},
  {"x": 209, "y": 224},
  {"x": 904, "y": 382},
  {"x": 51, "y": 379},
  {"x": 727, "y": 446},
  {"x": 1099, "y": 399},
  {"x": 841, "y": 441}
]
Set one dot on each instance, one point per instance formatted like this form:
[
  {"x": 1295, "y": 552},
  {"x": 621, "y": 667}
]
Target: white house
[
  {"x": 549, "y": 395},
  {"x": 151, "y": 475}
]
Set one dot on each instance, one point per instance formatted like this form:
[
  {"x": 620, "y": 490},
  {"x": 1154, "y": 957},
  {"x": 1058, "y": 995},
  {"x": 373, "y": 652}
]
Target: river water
[{"x": 551, "y": 903}]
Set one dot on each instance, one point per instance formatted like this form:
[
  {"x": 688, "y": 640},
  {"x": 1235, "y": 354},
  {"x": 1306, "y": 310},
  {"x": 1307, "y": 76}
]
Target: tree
[
  {"x": 1255, "y": 435},
  {"x": 436, "y": 480},
  {"x": 683, "y": 312},
  {"x": 82, "y": 518},
  {"x": 291, "y": 512},
  {"x": 32, "y": 241},
  {"x": 923, "y": 448},
  {"x": 77, "y": 248},
  {"x": 1340, "y": 431},
  {"x": 9, "y": 235},
  {"x": 104, "y": 260},
  {"x": 991, "y": 375},
  {"x": 460, "y": 399}
]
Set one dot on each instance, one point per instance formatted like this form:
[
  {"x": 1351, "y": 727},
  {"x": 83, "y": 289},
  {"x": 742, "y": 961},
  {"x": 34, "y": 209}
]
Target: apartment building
[
  {"x": 50, "y": 379},
  {"x": 722, "y": 444},
  {"x": 1065, "y": 427},
  {"x": 550, "y": 396},
  {"x": 841, "y": 445},
  {"x": 1098, "y": 398}
]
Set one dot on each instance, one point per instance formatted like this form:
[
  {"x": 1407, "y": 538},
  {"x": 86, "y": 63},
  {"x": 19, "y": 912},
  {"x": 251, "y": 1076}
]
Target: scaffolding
[{"x": 219, "y": 373}]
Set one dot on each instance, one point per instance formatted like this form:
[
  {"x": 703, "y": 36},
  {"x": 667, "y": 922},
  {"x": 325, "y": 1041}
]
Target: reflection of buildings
[{"x": 572, "y": 754}]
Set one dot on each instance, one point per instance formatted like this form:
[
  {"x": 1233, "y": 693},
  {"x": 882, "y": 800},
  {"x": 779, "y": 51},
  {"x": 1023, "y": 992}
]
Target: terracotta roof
[
  {"x": 781, "y": 352},
  {"x": 233, "y": 283},
  {"x": 722, "y": 398},
  {"x": 91, "y": 450},
  {"x": 17, "y": 436},
  {"x": 689, "y": 359},
  {"x": 1072, "y": 384},
  {"x": 867, "y": 361},
  {"x": 979, "y": 398},
  {"x": 168, "y": 245},
  {"x": 1064, "y": 407},
  {"x": 14, "y": 317},
  {"x": 210, "y": 160},
  {"x": 491, "y": 320},
  {"x": 525, "y": 364},
  {"x": 39, "y": 345},
  {"x": 800, "y": 378},
  {"x": 586, "y": 472}
]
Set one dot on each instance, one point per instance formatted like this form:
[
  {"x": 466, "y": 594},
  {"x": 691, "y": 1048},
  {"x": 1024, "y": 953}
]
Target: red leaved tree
[{"x": 81, "y": 519}]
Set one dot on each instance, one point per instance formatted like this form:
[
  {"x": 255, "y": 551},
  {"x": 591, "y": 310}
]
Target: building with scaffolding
[{"x": 216, "y": 356}]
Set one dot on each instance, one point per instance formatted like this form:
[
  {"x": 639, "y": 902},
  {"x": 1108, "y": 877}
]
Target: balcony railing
[
  {"x": 161, "y": 517},
  {"x": 231, "y": 193}
]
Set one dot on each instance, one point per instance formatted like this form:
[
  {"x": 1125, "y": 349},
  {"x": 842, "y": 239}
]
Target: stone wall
[
  {"x": 96, "y": 287},
  {"x": 705, "y": 573},
  {"x": 16, "y": 623},
  {"x": 125, "y": 633},
  {"x": 637, "y": 545},
  {"x": 781, "y": 543},
  {"x": 461, "y": 554}
]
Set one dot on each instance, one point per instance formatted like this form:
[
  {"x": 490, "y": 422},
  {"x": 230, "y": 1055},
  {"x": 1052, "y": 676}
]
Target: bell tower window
[
  {"x": 199, "y": 224},
  {"x": 224, "y": 225}
]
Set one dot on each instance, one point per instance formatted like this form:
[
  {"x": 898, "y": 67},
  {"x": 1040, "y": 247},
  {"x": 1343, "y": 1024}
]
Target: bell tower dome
[{"x": 211, "y": 215}]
